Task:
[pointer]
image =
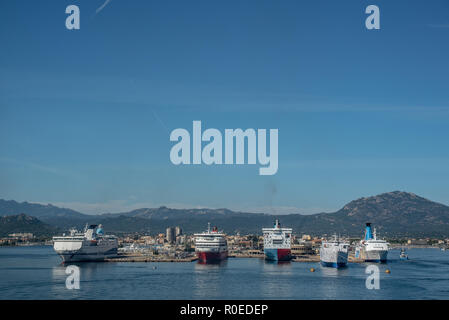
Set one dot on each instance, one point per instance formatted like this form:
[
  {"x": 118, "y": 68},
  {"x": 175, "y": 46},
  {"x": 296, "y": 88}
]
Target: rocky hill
[{"x": 23, "y": 223}]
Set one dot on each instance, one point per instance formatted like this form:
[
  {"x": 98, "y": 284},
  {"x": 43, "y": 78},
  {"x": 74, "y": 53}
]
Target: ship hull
[
  {"x": 333, "y": 264},
  {"x": 376, "y": 256},
  {"x": 333, "y": 258},
  {"x": 80, "y": 256},
  {"x": 211, "y": 257},
  {"x": 278, "y": 254},
  {"x": 83, "y": 251}
]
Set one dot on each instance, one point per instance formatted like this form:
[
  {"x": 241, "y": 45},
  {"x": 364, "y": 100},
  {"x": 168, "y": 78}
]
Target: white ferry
[
  {"x": 90, "y": 245},
  {"x": 277, "y": 243},
  {"x": 211, "y": 246},
  {"x": 370, "y": 248},
  {"x": 334, "y": 253}
]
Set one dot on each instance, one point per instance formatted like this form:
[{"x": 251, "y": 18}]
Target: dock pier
[
  {"x": 153, "y": 258},
  {"x": 146, "y": 258}
]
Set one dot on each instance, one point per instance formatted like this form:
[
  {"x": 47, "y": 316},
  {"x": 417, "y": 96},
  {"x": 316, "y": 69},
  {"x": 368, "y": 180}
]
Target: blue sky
[{"x": 85, "y": 115}]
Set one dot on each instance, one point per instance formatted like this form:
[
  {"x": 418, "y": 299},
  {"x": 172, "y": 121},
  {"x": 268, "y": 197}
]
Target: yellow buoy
[
  {"x": 388, "y": 271},
  {"x": 312, "y": 269}
]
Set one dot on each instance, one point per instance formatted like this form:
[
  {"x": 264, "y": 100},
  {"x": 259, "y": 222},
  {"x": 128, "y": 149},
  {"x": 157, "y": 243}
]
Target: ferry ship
[
  {"x": 277, "y": 243},
  {"x": 370, "y": 248},
  {"x": 211, "y": 246},
  {"x": 90, "y": 245},
  {"x": 334, "y": 253}
]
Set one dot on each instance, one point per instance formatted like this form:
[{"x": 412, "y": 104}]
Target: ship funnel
[
  {"x": 368, "y": 232},
  {"x": 277, "y": 224}
]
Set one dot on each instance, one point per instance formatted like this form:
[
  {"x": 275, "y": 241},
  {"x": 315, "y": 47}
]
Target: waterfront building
[
  {"x": 170, "y": 235},
  {"x": 306, "y": 237},
  {"x": 301, "y": 249},
  {"x": 21, "y": 236}
]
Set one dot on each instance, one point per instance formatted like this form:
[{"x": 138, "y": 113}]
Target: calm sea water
[{"x": 36, "y": 273}]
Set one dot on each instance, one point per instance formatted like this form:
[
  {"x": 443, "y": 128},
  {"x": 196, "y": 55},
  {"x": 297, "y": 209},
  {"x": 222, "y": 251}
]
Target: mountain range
[{"x": 394, "y": 214}]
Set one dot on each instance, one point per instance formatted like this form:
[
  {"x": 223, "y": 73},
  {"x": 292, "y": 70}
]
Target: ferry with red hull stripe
[
  {"x": 209, "y": 257},
  {"x": 211, "y": 246},
  {"x": 277, "y": 243}
]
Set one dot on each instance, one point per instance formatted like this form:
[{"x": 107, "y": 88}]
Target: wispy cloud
[
  {"x": 102, "y": 6},
  {"x": 31, "y": 165},
  {"x": 39, "y": 167},
  {"x": 282, "y": 210},
  {"x": 411, "y": 163},
  {"x": 160, "y": 121},
  {"x": 442, "y": 25}
]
